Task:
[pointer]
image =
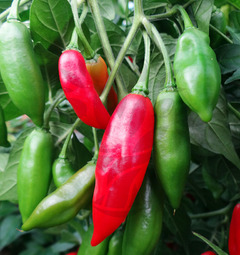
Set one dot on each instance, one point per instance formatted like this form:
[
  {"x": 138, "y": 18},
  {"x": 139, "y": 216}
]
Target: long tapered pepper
[
  {"x": 124, "y": 155},
  {"x": 234, "y": 232}
]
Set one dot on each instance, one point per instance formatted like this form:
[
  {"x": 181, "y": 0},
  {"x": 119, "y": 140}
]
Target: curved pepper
[
  {"x": 65, "y": 202},
  {"x": 171, "y": 144},
  {"x": 115, "y": 243},
  {"x": 3, "y": 130},
  {"x": 79, "y": 89},
  {"x": 99, "y": 74},
  {"x": 197, "y": 72},
  {"x": 123, "y": 158},
  {"x": 62, "y": 170},
  {"x": 144, "y": 222},
  {"x": 20, "y": 71},
  {"x": 208, "y": 253},
  {"x": 34, "y": 171},
  {"x": 234, "y": 232}
]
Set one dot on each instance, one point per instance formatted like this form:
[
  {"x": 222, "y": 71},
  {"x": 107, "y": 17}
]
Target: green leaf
[
  {"x": 215, "y": 135},
  {"x": 234, "y": 77},
  {"x": 235, "y": 34},
  {"x": 213, "y": 246},
  {"x": 8, "y": 178},
  {"x": 8, "y": 232},
  {"x": 202, "y": 12},
  {"x": 234, "y": 19},
  {"x": 235, "y": 3},
  {"x": 51, "y": 22},
  {"x": 228, "y": 57},
  {"x": 107, "y": 9},
  {"x": 3, "y": 161}
]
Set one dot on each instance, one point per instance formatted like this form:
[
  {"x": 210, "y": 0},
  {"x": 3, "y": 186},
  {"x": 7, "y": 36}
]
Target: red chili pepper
[
  {"x": 122, "y": 162},
  {"x": 208, "y": 253},
  {"x": 79, "y": 90},
  {"x": 72, "y": 253},
  {"x": 99, "y": 74},
  {"x": 234, "y": 232}
]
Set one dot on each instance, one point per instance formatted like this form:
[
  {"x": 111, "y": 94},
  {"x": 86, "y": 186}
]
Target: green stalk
[
  {"x": 187, "y": 21},
  {"x": 95, "y": 156},
  {"x": 74, "y": 41},
  {"x": 222, "y": 34},
  {"x": 90, "y": 53},
  {"x": 235, "y": 111},
  {"x": 63, "y": 152},
  {"x": 142, "y": 84},
  {"x": 122, "y": 91},
  {"x": 156, "y": 37},
  {"x": 14, "y": 15}
]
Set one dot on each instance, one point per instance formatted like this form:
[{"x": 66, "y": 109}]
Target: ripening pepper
[
  {"x": 144, "y": 222},
  {"x": 234, "y": 232},
  {"x": 208, "y": 253},
  {"x": 99, "y": 74},
  {"x": 123, "y": 158},
  {"x": 65, "y": 202},
  {"x": 78, "y": 87},
  {"x": 197, "y": 72},
  {"x": 34, "y": 171},
  {"x": 3, "y": 130},
  {"x": 171, "y": 144},
  {"x": 19, "y": 69}
]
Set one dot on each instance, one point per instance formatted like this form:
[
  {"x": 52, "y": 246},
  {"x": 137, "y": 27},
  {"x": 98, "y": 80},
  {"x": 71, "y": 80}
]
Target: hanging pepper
[
  {"x": 234, "y": 232},
  {"x": 208, "y": 253},
  {"x": 78, "y": 87},
  {"x": 3, "y": 130},
  {"x": 19, "y": 68},
  {"x": 115, "y": 243},
  {"x": 196, "y": 69},
  {"x": 144, "y": 222},
  {"x": 124, "y": 155},
  {"x": 171, "y": 144},
  {"x": 34, "y": 171},
  {"x": 99, "y": 74}
]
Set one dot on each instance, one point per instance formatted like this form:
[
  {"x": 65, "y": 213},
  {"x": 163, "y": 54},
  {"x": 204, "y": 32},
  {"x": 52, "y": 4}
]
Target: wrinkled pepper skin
[
  {"x": 79, "y": 90},
  {"x": 115, "y": 243},
  {"x": 234, "y": 232},
  {"x": 144, "y": 222},
  {"x": 34, "y": 171},
  {"x": 171, "y": 144},
  {"x": 3, "y": 130},
  {"x": 208, "y": 253},
  {"x": 99, "y": 74},
  {"x": 87, "y": 249},
  {"x": 197, "y": 73},
  {"x": 123, "y": 158},
  {"x": 62, "y": 170},
  {"x": 20, "y": 71},
  {"x": 65, "y": 202}
]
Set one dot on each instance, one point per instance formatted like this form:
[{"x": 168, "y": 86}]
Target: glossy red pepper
[
  {"x": 208, "y": 253},
  {"x": 234, "y": 232},
  {"x": 99, "y": 74},
  {"x": 79, "y": 90},
  {"x": 123, "y": 158}
]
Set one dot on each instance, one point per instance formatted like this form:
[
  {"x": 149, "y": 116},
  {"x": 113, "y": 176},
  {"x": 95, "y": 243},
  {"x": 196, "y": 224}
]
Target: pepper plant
[{"x": 119, "y": 127}]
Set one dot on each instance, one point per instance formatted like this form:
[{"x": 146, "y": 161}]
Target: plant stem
[
  {"x": 219, "y": 32},
  {"x": 155, "y": 36},
  {"x": 65, "y": 145},
  {"x": 74, "y": 41},
  {"x": 142, "y": 84},
  {"x": 95, "y": 156},
  {"x": 235, "y": 111},
  {"x": 14, "y": 15},
  {"x": 213, "y": 213},
  {"x": 5, "y": 13},
  {"x": 90, "y": 53},
  {"x": 56, "y": 102},
  {"x": 122, "y": 91},
  {"x": 187, "y": 21}
]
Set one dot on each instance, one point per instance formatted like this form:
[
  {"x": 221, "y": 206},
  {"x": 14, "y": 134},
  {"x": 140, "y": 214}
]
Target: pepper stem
[
  {"x": 96, "y": 145},
  {"x": 14, "y": 15},
  {"x": 63, "y": 152},
  {"x": 187, "y": 21},
  {"x": 74, "y": 41},
  {"x": 90, "y": 53},
  {"x": 142, "y": 84}
]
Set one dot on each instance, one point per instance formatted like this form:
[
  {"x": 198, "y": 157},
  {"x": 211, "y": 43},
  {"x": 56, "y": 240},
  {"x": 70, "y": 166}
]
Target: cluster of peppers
[{"x": 132, "y": 128}]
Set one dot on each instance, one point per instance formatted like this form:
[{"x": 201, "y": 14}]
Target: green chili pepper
[
  {"x": 197, "y": 72},
  {"x": 87, "y": 249},
  {"x": 34, "y": 171},
  {"x": 115, "y": 243},
  {"x": 65, "y": 202},
  {"x": 19, "y": 68},
  {"x": 171, "y": 144},
  {"x": 144, "y": 222},
  {"x": 3, "y": 130}
]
